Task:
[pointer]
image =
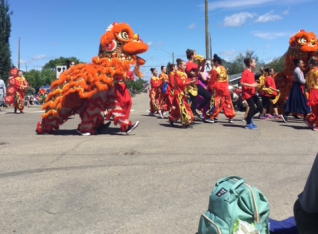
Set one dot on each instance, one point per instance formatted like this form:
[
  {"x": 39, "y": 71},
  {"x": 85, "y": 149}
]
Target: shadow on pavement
[
  {"x": 296, "y": 127},
  {"x": 103, "y": 131},
  {"x": 233, "y": 125}
]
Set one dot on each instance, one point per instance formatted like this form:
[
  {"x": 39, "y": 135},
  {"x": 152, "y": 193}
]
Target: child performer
[
  {"x": 155, "y": 93},
  {"x": 222, "y": 98},
  {"x": 248, "y": 92},
  {"x": 181, "y": 109},
  {"x": 269, "y": 93}
]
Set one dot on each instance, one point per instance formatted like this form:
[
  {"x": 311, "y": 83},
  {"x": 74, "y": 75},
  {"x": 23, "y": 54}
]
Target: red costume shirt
[
  {"x": 191, "y": 67},
  {"x": 247, "y": 78},
  {"x": 155, "y": 82},
  {"x": 269, "y": 82}
]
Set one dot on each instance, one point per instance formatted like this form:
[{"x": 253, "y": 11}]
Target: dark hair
[
  {"x": 171, "y": 65},
  {"x": 162, "y": 67},
  {"x": 313, "y": 61},
  {"x": 179, "y": 61},
  {"x": 247, "y": 61},
  {"x": 296, "y": 61},
  {"x": 189, "y": 53},
  {"x": 152, "y": 69},
  {"x": 217, "y": 59}
]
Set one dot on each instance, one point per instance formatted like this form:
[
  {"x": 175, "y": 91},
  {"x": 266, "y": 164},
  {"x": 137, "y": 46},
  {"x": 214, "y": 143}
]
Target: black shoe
[
  {"x": 15, "y": 110},
  {"x": 132, "y": 127},
  {"x": 284, "y": 118},
  {"x": 296, "y": 116},
  {"x": 171, "y": 123},
  {"x": 101, "y": 128}
]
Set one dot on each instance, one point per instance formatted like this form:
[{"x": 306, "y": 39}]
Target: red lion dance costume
[
  {"x": 16, "y": 90},
  {"x": 303, "y": 45},
  {"x": 90, "y": 89}
]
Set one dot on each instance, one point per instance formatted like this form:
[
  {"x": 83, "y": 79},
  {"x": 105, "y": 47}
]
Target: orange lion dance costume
[
  {"x": 303, "y": 45},
  {"x": 90, "y": 89}
]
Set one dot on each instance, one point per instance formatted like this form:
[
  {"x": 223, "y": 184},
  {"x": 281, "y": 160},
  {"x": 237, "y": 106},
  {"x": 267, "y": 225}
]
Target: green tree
[
  {"x": 135, "y": 86},
  {"x": 277, "y": 64},
  {"x": 34, "y": 79},
  {"x": 237, "y": 66},
  {"x": 47, "y": 76},
  {"x": 5, "y": 31},
  {"x": 60, "y": 62}
]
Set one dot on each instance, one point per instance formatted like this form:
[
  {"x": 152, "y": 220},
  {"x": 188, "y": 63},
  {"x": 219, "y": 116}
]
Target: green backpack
[{"x": 232, "y": 199}]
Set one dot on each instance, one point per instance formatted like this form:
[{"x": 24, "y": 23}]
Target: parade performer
[
  {"x": 170, "y": 88},
  {"x": 155, "y": 93},
  {"x": 248, "y": 92},
  {"x": 42, "y": 94},
  {"x": 193, "y": 69},
  {"x": 220, "y": 84},
  {"x": 267, "y": 90},
  {"x": 90, "y": 89},
  {"x": 181, "y": 109},
  {"x": 20, "y": 84},
  {"x": 312, "y": 84},
  {"x": 297, "y": 100},
  {"x": 302, "y": 45},
  {"x": 164, "y": 97}
]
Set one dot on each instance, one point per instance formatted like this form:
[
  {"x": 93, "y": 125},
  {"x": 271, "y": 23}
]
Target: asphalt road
[{"x": 156, "y": 180}]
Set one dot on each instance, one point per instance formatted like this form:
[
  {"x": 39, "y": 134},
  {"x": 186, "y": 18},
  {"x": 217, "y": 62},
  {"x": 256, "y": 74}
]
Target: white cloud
[
  {"x": 228, "y": 55},
  {"x": 267, "y": 47},
  {"x": 268, "y": 17},
  {"x": 270, "y": 35},
  {"x": 191, "y": 26},
  {"x": 286, "y": 12},
  {"x": 39, "y": 57},
  {"x": 150, "y": 43},
  {"x": 237, "y": 19},
  {"x": 234, "y": 4}
]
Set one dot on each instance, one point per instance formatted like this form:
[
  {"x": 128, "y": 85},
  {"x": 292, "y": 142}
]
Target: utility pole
[
  {"x": 19, "y": 54},
  {"x": 172, "y": 57},
  {"x": 211, "y": 56},
  {"x": 206, "y": 30}
]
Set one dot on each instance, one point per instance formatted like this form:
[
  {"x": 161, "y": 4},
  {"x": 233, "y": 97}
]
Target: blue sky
[{"x": 50, "y": 29}]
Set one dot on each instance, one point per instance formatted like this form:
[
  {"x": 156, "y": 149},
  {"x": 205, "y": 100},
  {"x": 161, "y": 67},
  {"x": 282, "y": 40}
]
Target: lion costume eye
[
  {"x": 123, "y": 35},
  {"x": 111, "y": 46},
  {"x": 302, "y": 40}
]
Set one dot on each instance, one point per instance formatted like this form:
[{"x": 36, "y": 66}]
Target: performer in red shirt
[
  {"x": 219, "y": 83},
  {"x": 181, "y": 109},
  {"x": 164, "y": 100},
  {"x": 193, "y": 70},
  {"x": 248, "y": 92},
  {"x": 269, "y": 93},
  {"x": 155, "y": 92}
]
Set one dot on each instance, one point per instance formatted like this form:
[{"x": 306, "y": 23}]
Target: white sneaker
[
  {"x": 230, "y": 120},
  {"x": 132, "y": 127},
  {"x": 83, "y": 133},
  {"x": 160, "y": 113},
  {"x": 209, "y": 120}
]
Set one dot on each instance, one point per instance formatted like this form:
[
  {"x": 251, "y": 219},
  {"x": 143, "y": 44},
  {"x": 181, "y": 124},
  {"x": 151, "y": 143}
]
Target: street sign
[
  {"x": 60, "y": 70},
  {"x": 208, "y": 66}
]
